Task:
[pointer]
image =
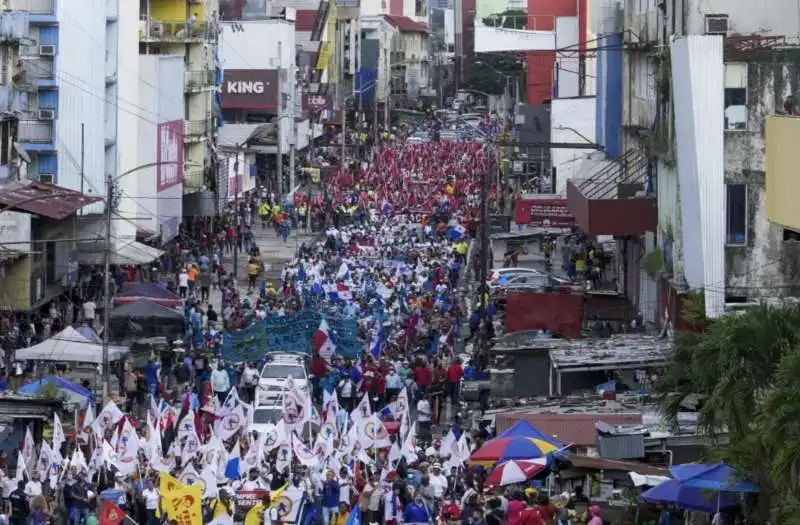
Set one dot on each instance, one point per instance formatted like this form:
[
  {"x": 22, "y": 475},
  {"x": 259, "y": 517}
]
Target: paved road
[{"x": 276, "y": 253}]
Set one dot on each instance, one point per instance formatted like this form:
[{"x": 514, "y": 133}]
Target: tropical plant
[{"x": 744, "y": 368}]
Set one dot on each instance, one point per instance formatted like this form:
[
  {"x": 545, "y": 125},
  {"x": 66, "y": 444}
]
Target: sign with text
[
  {"x": 169, "y": 154},
  {"x": 250, "y": 89},
  {"x": 551, "y": 212},
  {"x": 315, "y": 102},
  {"x": 247, "y": 499}
]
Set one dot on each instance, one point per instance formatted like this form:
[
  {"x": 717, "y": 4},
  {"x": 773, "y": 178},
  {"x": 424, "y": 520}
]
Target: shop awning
[
  {"x": 131, "y": 252},
  {"x": 43, "y": 199}
]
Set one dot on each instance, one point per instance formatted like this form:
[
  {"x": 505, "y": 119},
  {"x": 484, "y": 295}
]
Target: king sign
[{"x": 246, "y": 87}]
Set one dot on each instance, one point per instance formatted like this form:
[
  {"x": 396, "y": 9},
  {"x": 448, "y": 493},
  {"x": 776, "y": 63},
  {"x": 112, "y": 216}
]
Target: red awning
[
  {"x": 47, "y": 200},
  {"x": 405, "y": 24}
]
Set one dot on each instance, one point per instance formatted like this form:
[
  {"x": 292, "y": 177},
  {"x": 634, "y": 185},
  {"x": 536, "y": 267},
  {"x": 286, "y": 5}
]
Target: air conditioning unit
[
  {"x": 47, "y": 178},
  {"x": 717, "y": 24},
  {"x": 47, "y": 50},
  {"x": 47, "y": 114},
  {"x": 156, "y": 30}
]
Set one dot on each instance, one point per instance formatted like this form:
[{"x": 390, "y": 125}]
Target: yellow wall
[
  {"x": 15, "y": 289},
  {"x": 783, "y": 184},
  {"x": 175, "y": 10}
]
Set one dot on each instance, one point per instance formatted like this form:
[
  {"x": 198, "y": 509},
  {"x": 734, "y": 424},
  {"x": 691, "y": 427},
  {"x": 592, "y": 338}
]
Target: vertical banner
[{"x": 169, "y": 154}]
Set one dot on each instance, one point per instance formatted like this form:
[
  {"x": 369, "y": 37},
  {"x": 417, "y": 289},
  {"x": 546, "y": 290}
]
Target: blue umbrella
[
  {"x": 719, "y": 477},
  {"x": 672, "y": 492}
]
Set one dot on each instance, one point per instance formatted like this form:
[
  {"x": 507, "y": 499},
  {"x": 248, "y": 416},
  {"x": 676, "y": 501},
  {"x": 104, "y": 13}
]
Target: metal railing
[
  {"x": 177, "y": 31},
  {"x": 198, "y": 79},
  {"x": 631, "y": 168},
  {"x": 196, "y": 128},
  {"x": 35, "y": 131},
  {"x": 193, "y": 176},
  {"x": 37, "y": 69},
  {"x": 38, "y": 7}
]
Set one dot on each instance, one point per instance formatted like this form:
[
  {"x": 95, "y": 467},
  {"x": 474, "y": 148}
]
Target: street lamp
[{"x": 107, "y": 258}]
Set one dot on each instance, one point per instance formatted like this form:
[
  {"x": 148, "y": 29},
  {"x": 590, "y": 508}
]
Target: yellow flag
[
  {"x": 253, "y": 516},
  {"x": 166, "y": 484},
  {"x": 275, "y": 495},
  {"x": 186, "y": 505}
]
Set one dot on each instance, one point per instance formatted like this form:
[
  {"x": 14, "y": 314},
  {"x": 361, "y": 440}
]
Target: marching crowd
[{"x": 376, "y": 438}]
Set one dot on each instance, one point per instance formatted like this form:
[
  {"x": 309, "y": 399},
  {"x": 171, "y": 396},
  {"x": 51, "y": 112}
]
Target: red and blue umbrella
[
  {"x": 510, "y": 472},
  {"x": 514, "y": 447}
]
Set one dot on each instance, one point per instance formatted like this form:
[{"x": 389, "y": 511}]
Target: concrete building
[
  {"x": 702, "y": 149},
  {"x": 189, "y": 29}
]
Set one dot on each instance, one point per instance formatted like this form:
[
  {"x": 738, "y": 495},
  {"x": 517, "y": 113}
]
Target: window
[
  {"x": 644, "y": 84},
  {"x": 736, "y": 211},
  {"x": 735, "y": 96},
  {"x": 644, "y": 6}
]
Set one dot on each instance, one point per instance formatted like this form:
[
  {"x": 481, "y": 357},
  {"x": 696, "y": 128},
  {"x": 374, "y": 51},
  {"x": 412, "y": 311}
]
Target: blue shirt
[
  {"x": 151, "y": 373},
  {"x": 416, "y": 513}
]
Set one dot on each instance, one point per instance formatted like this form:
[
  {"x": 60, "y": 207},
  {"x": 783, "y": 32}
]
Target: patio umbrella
[
  {"x": 719, "y": 477},
  {"x": 510, "y": 472},
  {"x": 672, "y": 492},
  {"x": 523, "y": 428},
  {"x": 515, "y": 447}
]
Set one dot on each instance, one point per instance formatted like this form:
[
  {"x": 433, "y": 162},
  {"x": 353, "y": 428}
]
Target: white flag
[
  {"x": 231, "y": 423},
  {"x": 58, "y": 432},
  {"x": 108, "y": 417}
]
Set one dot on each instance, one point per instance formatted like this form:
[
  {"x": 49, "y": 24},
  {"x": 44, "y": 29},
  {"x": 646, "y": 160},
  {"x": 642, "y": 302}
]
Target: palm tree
[{"x": 744, "y": 368}]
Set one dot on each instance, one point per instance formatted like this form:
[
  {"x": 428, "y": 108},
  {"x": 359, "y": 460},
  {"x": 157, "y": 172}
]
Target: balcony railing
[
  {"x": 197, "y": 128},
  {"x": 177, "y": 31},
  {"x": 35, "y": 69},
  {"x": 37, "y": 7},
  {"x": 193, "y": 176},
  {"x": 35, "y": 131},
  {"x": 198, "y": 79}
]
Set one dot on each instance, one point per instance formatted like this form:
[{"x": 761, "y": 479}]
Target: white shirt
[
  {"x": 183, "y": 279},
  {"x": 344, "y": 490},
  {"x": 253, "y": 484},
  {"x": 423, "y": 410},
  {"x": 33, "y": 488},
  {"x": 88, "y": 310},
  {"x": 270, "y": 516},
  {"x": 151, "y": 498},
  {"x": 439, "y": 484},
  {"x": 220, "y": 381}
]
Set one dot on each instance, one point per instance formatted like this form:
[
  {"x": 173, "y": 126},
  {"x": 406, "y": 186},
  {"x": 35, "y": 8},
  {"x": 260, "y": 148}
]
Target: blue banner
[{"x": 291, "y": 333}]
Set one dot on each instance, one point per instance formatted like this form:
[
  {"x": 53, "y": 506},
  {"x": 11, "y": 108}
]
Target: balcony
[
  {"x": 196, "y": 129},
  {"x": 33, "y": 73},
  {"x": 177, "y": 31},
  {"x": 35, "y": 131},
  {"x": 12, "y": 102},
  {"x": 14, "y": 26},
  {"x": 193, "y": 176},
  {"x": 195, "y": 81},
  {"x": 40, "y": 10},
  {"x": 613, "y": 200}
]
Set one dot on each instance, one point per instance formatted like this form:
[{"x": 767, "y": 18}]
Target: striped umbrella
[
  {"x": 510, "y": 472},
  {"x": 513, "y": 448}
]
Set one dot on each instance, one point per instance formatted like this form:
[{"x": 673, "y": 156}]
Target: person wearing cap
[
  {"x": 595, "y": 511},
  {"x": 438, "y": 481}
]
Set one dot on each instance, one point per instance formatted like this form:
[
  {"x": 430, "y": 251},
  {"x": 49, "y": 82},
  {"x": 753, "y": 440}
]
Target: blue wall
[
  {"x": 365, "y": 77},
  {"x": 609, "y": 93}
]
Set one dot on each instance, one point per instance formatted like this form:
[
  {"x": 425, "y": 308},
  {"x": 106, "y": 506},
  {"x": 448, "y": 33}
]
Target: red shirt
[
  {"x": 318, "y": 367},
  {"x": 423, "y": 376},
  {"x": 454, "y": 373}
]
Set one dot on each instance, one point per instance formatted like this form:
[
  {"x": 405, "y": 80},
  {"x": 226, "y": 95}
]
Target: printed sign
[
  {"x": 247, "y": 499},
  {"x": 315, "y": 102},
  {"x": 169, "y": 154},
  {"x": 544, "y": 213},
  {"x": 250, "y": 89}
]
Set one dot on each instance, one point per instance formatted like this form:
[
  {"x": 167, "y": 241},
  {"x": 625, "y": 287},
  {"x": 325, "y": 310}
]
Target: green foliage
[
  {"x": 654, "y": 264},
  {"x": 744, "y": 368},
  {"x": 487, "y": 72},
  {"x": 49, "y": 391},
  {"x": 510, "y": 19}
]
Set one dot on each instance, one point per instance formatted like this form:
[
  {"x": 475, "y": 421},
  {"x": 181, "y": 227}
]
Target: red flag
[{"x": 111, "y": 514}]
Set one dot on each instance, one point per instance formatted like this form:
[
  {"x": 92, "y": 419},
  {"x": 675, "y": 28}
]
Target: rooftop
[
  {"x": 616, "y": 352},
  {"x": 405, "y": 24},
  {"x": 43, "y": 199}
]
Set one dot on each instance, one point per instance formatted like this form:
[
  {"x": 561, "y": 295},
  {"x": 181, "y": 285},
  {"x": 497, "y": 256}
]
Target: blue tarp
[
  {"x": 719, "y": 477},
  {"x": 671, "y": 492},
  {"x": 74, "y": 393},
  {"x": 291, "y": 333}
]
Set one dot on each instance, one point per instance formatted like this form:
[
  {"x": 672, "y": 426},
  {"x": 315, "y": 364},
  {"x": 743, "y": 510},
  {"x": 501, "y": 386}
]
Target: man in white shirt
[
  {"x": 253, "y": 482},
  {"x": 220, "y": 382},
  {"x": 89, "y": 312},
  {"x": 183, "y": 284},
  {"x": 152, "y": 499},
  {"x": 34, "y": 486},
  {"x": 438, "y": 481}
]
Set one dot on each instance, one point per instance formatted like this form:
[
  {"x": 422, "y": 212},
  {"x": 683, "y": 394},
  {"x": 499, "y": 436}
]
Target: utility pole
[
  {"x": 236, "y": 208},
  {"x": 107, "y": 286},
  {"x": 344, "y": 131},
  {"x": 279, "y": 189}
]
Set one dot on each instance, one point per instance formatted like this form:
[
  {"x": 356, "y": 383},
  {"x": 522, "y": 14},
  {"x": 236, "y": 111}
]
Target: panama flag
[
  {"x": 343, "y": 292},
  {"x": 322, "y": 342}
]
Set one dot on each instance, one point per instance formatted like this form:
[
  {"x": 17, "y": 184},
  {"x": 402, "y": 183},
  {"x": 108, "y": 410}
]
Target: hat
[
  {"x": 595, "y": 510},
  {"x": 437, "y": 465}
]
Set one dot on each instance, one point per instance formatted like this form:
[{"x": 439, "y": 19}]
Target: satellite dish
[{"x": 22, "y": 153}]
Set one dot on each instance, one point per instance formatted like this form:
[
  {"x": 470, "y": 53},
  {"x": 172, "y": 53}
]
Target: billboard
[
  {"x": 544, "y": 212},
  {"x": 250, "y": 89},
  {"x": 315, "y": 102},
  {"x": 239, "y": 10},
  {"x": 169, "y": 154}
]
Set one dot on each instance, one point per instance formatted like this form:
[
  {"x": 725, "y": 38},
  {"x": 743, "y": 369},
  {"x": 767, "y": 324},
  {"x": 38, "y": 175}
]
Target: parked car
[{"x": 278, "y": 368}]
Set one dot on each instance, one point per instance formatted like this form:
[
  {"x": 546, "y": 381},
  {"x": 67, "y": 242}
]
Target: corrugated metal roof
[
  {"x": 576, "y": 429},
  {"x": 576, "y": 354},
  {"x": 304, "y": 20},
  {"x": 405, "y": 24},
  {"x": 43, "y": 199},
  {"x": 613, "y": 464}
]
